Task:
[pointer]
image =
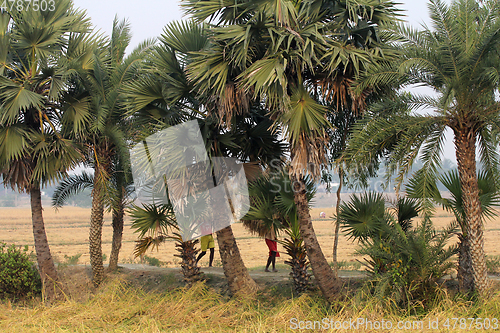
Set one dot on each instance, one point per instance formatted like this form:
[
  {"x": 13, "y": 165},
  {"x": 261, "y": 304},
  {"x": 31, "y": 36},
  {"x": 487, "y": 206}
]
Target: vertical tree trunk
[
  {"x": 95, "y": 235},
  {"x": 337, "y": 225},
  {"x": 117, "y": 238},
  {"x": 465, "y": 144},
  {"x": 465, "y": 280},
  {"x": 187, "y": 253},
  {"x": 324, "y": 275},
  {"x": 236, "y": 273},
  {"x": 46, "y": 267}
]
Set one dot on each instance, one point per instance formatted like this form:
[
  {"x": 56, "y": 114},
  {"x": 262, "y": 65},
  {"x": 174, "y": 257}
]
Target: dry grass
[
  {"x": 121, "y": 306},
  {"x": 67, "y": 231}
]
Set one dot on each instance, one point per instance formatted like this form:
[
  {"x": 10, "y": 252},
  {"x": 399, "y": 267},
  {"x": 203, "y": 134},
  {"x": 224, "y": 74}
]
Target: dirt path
[{"x": 280, "y": 275}]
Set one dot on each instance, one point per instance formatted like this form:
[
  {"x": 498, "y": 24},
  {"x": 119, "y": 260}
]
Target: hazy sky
[{"x": 149, "y": 17}]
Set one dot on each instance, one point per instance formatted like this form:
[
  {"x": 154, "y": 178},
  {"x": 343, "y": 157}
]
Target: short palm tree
[
  {"x": 455, "y": 57},
  {"x": 157, "y": 224},
  {"x": 489, "y": 198},
  {"x": 35, "y": 49},
  {"x": 366, "y": 216},
  {"x": 405, "y": 260},
  {"x": 272, "y": 205}
]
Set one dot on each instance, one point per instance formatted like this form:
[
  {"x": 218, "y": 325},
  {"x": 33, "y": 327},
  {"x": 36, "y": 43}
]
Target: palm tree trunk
[
  {"x": 337, "y": 225},
  {"x": 46, "y": 267},
  {"x": 189, "y": 265},
  {"x": 465, "y": 281},
  {"x": 95, "y": 235},
  {"x": 116, "y": 244},
  {"x": 117, "y": 239},
  {"x": 323, "y": 274},
  {"x": 465, "y": 144},
  {"x": 236, "y": 273},
  {"x": 298, "y": 262}
]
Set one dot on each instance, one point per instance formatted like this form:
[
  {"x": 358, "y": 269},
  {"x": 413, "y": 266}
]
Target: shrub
[
  {"x": 406, "y": 266},
  {"x": 405, "y": 262},
  {"x": 73, "y": 260},
  {"x": 18, "y": 275},
  {"x": 152, "y": 261}
]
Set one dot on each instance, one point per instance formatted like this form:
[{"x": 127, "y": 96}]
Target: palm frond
[
  {"x": 155, "y": 220},
  {"x": 363, "y": 216},
  {"x": 72, "y": 185}
]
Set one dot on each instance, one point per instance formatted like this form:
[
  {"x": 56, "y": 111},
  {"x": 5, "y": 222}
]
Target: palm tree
[
  {"x": 406, "y": 261},
  {"x": 456, "y": 59},
  {"x": 156, "y": 224},
  {"x": 365, "y": 216},
  {"x": 103, "y": 133},
  {"x": 164, "y": 96},
  {"x": 342, "y": 120},
  {"x": 36, "y": 47},
  {"x": 291, "y": 56},
  {"x": 489, "y": 197},
  {"x": 273, "y": 206}
]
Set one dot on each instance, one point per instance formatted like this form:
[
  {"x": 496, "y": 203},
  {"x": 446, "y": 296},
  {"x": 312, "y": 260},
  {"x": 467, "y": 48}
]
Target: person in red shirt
[{"x": 272, "y": 244}]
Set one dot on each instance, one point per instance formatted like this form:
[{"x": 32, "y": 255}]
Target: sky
[{"x": 148, "y": 17}]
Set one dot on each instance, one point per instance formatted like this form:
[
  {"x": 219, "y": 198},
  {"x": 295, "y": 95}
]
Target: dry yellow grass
[
  {"x": 67, "y": 231},
  {"x": 119, "y": 306}
]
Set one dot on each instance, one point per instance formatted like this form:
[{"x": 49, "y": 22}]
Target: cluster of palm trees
[{"x": 304, "y": 83}]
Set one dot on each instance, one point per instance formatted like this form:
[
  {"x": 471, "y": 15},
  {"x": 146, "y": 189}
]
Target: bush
[
  {"x": 18, "y": 275},
  {"x": 73, "y": 260},
  {"x": 405, "y": 262},
  {"x": 152, "y": 261},
  {"x": 406, "y": 266}
]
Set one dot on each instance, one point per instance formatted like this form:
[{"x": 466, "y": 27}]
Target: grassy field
[
  {"x": 67, "y": 231},
  {"x": 149, "y": 300},
  {"x": 157, "y": 303}
]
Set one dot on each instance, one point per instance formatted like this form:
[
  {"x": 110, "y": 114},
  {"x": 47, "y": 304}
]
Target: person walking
[
  {"x": 207, "y": 242},
  {"x": 272, "y": 244}
]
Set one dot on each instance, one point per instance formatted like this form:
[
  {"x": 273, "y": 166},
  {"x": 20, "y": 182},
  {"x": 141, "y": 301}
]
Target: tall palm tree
[
  {"x": 456, "y": 58},
  {"x": 164, "y": 96},
  {"x": 35, "y": 48},
  {"x": 103, "y": 133},
  {"x": 342, "y": 120},
  {"x": 292, "y": 56},
  {"x": 118, "y": 196}
]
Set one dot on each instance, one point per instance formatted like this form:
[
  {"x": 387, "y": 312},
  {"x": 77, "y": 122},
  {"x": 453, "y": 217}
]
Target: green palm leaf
[{"x": 70, "y": 186}]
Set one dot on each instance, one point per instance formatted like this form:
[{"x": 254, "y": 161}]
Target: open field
[
  {"x": 67, "y": 231},
  {"x": 151, "y": 299}
]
